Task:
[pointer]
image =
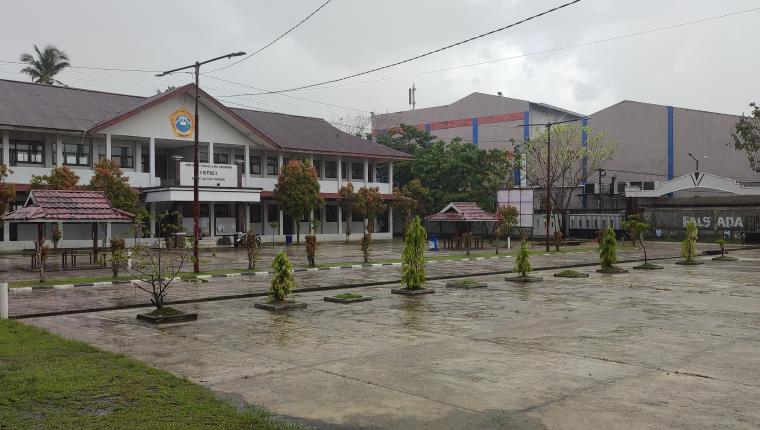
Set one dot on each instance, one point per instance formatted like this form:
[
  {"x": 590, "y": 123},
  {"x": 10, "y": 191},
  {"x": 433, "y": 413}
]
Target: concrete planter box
[
  {"x": 466, "y": 285},
  {"x": 571, "y": 274},
  {"x": 169, "y": 318},
  {"x": 346, "y": 300},
  {"x": 408, "y": 292},
  {"x": 690, "y": 263},
  {"x": 280, "y": 306},
  {"x": 524, "y": 279},
  {"x": 725, "y": 258},
  {"x": 648, "y": 266},
  {"x": 612, "y": 270}
]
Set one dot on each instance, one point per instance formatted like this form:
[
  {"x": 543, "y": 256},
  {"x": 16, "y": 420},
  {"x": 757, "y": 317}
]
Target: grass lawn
[{"x": 53, "y": 383}]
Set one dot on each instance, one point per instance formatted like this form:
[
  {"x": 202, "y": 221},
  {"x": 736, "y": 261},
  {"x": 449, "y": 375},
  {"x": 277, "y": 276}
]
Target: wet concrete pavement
[
  {"x": 43, "y": 301},
  {"x": 674, "y": 348}
]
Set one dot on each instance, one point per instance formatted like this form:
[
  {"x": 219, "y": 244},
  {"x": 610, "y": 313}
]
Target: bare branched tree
[
  {"x": 357, "y": 124},
  {"x": 155, "y": 268}
]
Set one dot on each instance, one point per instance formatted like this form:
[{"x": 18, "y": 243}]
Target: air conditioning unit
[
  {"x": 650, "y": 185},
  {"x": 592, "y": 188}
]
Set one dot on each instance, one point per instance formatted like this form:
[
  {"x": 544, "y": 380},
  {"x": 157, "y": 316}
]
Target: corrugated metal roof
[
  {"x": 25, "y": 104},
  {"x": 68, "y": 205}
]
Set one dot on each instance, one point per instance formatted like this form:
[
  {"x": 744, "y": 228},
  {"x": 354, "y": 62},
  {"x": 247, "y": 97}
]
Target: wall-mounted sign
[
  {"x": 210, "y": 175},
  {"x": 182, "y": 123}
]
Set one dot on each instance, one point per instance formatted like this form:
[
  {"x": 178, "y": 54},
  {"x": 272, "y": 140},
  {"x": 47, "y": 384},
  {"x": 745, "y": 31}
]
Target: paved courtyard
[{"x": 675, "y": 348}]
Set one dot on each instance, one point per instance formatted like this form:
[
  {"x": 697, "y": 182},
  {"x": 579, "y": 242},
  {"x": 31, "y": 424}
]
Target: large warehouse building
[{"x": 656, "y": 144}]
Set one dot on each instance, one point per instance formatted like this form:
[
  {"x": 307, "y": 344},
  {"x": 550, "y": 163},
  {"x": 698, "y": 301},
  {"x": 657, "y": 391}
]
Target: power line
[
  {"x": 275, "y": 40},
  {"x": 110, "y": 69},
  {"x": 417, "y": 57}
]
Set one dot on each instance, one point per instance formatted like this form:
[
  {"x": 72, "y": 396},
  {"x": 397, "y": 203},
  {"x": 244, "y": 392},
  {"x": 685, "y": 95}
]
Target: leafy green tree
[
  {"x": 608, "y": 249},
  {"x": 346, "y": 197},
  {"x": 369, "y": 203},
  {"x": 413, "y": 258},
  {"x": 410, "y": 200},
  {"x": 746, "y": 136},
  {"x": 689, "y": 244},
  {"x": 109, "y": 178},
  {"x": 60, "y": 178},
  {"x": 7, "y": 191},
  {"x": 522, "y": 261},
  {"x": 297, "y": 191},
  {"x": 506, "y": 221},
  {"x": 44, "y": 65},
  {"x": 636, "y": 226},
  {"x": 283, "y": 283}
]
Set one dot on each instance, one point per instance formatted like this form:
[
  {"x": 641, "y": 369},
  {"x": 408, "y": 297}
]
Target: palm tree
[{"x": 48, "y": 62}]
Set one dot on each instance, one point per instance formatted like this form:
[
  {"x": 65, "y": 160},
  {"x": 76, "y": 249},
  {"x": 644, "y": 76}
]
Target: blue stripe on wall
[
  {"x": 584, "y": 161},
  {"x": 475, "y": 131},
  {"x": 670, "y": 142}
]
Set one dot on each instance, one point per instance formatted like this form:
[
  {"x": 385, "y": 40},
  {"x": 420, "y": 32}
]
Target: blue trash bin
[
  {"x": 288, "y": 239},
  {"x": 433, "y": 242}
]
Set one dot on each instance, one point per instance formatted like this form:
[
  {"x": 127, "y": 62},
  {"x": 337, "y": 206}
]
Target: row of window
[
  {"x": 273, "y": 214},
  {"x": 326, "y": 169}
]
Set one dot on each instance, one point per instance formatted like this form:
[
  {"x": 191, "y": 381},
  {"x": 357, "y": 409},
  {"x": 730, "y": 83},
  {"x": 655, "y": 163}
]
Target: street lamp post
[
  {"x": 696, "y": 159},
  {"x": 196, "y": 203}
]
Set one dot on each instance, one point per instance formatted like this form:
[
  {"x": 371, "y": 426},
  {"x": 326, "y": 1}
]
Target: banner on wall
[{"x": 209, "y": 175}]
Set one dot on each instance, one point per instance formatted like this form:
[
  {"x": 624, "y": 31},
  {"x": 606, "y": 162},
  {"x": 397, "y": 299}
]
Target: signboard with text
[{"x": 210, "y": 175}]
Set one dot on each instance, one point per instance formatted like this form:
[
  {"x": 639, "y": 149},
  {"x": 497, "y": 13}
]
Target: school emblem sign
[{"x": 182, "y": 123}]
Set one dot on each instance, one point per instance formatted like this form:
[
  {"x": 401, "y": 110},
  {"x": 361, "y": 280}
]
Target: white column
[
  {"x": 138, "y": 157},
  {"x": 59, "y": 150},
  {"x": 152, "y": 158},
  {"x": 3, "y": 301},
  {"x": 210, "y": 152},
  {"x": 279, "y": 162},
  {"x": 366, "y": 172},
  {"x": 282, "y": 220},
  {"x": 390, "y": 175},
  {"x": 247, "y": 156},
  {"x": 340, "y": 172},
  {"x": 152, "y": 220},
  {"x": 390, "y": 220},
  {"x": 108, "y": 233},
  {"x": 6, "y": 147},
  {"x": 6, "y": 231},
  {"x": 108, "y": 146}
]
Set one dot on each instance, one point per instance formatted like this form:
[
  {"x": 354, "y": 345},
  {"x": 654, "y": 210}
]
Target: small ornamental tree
[
  {"x": 283, "y": 283},
  {"x": 346, "y": 197},
  {"x": 60, "y": 178},
  {"x": 311, "y": 242},
  {"x": 413, "y": 258},
  {"x": 369, "y": 203},
  {"x": 7, "y": 191},
  {"x": 40, "y": 257},
  {"x": 522, "y": 262},
  {"x": 722, "y": 244},
  {"x": 297, "y": 191},
  {"x": 57, "y": 235},
  {"x": 636, "y": 226},
  {"x": 109, "y": 178},
  {"x": 117, "y": 254},
  {"x": 253, "y": 245},
  {"x": 506, "y": 221},
  {"x": 467, "y": 241},
  {"x": 689, "y": 244},
  {"x": 275, "y": 229},
  {"x": 608, "y": 249}
]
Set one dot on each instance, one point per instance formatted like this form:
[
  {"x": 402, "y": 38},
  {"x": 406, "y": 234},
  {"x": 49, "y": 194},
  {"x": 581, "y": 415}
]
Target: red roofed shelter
[
  {"x": 463, "y": 215},
  {"x": 68, "y": 206}
]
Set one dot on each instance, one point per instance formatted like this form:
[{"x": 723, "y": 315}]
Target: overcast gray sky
[{"x": 711, "y": 65}]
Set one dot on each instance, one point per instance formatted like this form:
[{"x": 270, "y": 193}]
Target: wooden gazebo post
[{"x": 95, "y": 243}]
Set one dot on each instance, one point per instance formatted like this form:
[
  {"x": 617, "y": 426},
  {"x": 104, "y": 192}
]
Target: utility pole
[
  {"x": 602, "y": 174},
  {"x": 196, "y": 203}
]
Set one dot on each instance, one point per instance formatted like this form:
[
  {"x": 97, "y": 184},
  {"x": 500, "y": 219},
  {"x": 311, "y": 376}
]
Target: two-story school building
[{"x": 241, "y": 153}]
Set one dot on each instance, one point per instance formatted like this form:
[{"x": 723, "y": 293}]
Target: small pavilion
[
  {"x": 60, "y": 207},
  {"x": 463, "y": 216}
]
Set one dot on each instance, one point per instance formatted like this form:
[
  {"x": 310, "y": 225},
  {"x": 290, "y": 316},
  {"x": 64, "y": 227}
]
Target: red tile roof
[
  {"x": 462, "y": 211},
  {"x": 68, "y": 205}
]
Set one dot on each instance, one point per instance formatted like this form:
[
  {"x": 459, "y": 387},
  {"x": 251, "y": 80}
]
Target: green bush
[
  {"x": 608, "y": 248},
  {"x": 283, "y": 282},
  {"x": 522, "y": 262},
  {"x": 689, "y": 244},
  {"x": 722, "y": 244},
  {"x": 413, "y": 258}
]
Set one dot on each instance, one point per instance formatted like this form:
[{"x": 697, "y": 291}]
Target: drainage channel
[{"x": 308, "y": 290}]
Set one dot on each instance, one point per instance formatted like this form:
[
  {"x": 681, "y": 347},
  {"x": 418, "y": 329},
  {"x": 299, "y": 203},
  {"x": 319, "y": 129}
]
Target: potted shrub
[
  {"x": 723, "y": 256},
  {"x": 253, "y": 245},
  {"x": 282, "y": 286},
  {"x": 413, "y": 261},
  {"x": 522, "y": 265},
  {"x": 689, "y": 246},
  {"x": 635, "y": 225},
  {"x": 608, "y": 253}
]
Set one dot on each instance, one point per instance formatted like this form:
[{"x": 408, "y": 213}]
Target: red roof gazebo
[{"x": 463, "y": 213}]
